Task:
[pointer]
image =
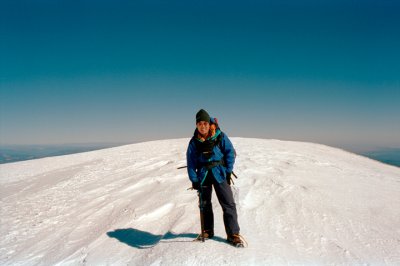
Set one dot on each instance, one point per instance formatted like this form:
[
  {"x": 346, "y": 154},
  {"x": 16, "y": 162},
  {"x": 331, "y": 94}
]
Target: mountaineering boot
[
  {"x": 208, "y": 234},
  {"x": 235, "y": 240}
]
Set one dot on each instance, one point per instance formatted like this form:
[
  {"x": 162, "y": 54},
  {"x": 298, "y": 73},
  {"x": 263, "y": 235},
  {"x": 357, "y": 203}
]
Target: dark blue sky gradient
[{"x": 93, "y": 71}]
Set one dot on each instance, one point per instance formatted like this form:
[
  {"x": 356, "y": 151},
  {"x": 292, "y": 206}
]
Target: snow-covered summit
[{"x": 298, "y": 203}]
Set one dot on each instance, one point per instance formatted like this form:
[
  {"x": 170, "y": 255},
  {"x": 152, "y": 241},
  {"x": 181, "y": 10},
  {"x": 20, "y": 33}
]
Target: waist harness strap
[{"x": 209, "y": 165}]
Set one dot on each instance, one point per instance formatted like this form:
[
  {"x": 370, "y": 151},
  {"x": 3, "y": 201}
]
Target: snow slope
[{"x": 298, "y": 203}]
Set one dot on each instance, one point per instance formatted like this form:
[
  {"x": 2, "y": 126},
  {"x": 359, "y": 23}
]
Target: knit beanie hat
[{"x": 202, "y": 115}]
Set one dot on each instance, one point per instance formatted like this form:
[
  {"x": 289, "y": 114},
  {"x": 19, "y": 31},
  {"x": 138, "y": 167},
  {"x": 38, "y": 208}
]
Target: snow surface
[{"x": 298, "y": 203}]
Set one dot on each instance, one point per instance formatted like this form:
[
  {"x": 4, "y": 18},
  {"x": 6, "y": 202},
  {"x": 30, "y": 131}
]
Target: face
[{"x": 203, "y": 127}]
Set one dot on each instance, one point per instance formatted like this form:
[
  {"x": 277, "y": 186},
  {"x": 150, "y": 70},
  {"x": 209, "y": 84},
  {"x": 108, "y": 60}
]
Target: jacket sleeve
[
  {"x": 191, "y": 159},
  {"x": 229, "y": 153}
]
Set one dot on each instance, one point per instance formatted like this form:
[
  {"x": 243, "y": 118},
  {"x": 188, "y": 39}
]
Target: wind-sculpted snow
[{"x": 298, "y": 203}]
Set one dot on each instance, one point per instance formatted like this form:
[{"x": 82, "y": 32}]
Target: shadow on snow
[{"x": 141, "y": 239}]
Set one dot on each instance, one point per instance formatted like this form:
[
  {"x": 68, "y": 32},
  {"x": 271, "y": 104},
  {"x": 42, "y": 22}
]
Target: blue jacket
[{"x": 196, "y": 160}]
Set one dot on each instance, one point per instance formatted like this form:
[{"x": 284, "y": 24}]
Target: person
[{"x": 210, "y": 159}]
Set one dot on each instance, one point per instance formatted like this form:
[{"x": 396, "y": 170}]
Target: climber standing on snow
[{"x": 210, "y": 159}]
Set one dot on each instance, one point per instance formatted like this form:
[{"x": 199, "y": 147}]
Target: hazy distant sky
[{"x": 124, "y": 71}]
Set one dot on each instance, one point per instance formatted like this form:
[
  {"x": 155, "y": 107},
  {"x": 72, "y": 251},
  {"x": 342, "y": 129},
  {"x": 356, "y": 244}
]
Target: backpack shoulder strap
[{"x": 220, "y": 145}]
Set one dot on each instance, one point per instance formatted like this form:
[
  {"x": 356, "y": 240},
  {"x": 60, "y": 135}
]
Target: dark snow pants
[{"x": 225, "y": 198}]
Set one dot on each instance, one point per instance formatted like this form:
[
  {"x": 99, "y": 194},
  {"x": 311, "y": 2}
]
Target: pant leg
[
  {"x": 208, "y": 214},
  {"x": 225, "y": 198}
]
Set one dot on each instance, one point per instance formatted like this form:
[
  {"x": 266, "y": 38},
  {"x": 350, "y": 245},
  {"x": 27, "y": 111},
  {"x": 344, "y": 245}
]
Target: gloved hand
[
  {"x": 196, "y": 185},
  {"x": 229, "y": 178}
]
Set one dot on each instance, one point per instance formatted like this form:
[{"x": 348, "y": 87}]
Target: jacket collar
[{"x": 196, "y": 135}]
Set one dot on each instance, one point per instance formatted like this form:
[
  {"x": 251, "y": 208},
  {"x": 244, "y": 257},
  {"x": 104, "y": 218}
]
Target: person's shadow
[{"x": 141, "y": 239}]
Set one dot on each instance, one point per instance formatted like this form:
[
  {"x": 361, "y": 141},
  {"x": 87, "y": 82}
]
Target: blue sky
[{"x": 124, "y": 71}]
